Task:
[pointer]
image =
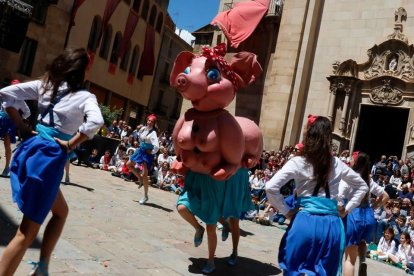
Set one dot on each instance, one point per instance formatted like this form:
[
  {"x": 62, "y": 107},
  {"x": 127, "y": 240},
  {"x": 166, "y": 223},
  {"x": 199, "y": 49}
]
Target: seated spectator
[
  {"x": 166, "y": 178},
  {"x": 396, "y": 179},
  {"x": 123, "y": 170},
  {"x": 404, "y": 253},
  {"x": 163, "y": 157},
  {"x": 267, "y": 217},
  {"x": 405, "y": 207},
  {"x": 257, "y": 184},
  {"x": 93, "y": 159},
  {"x": 399, "y": 226},
  {"x": 105, "y": 161},
  {"x": 117, "y": 159},
  {"x": 405, "y": 192},
  {"x": 386, "y": 245}
]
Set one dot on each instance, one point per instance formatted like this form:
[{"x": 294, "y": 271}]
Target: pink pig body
[{"x": 208, "y": 139}]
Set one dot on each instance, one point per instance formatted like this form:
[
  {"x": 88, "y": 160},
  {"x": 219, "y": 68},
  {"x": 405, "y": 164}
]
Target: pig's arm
[
  {"x": 178, "y": 126},
  {"x": 253, "y": 139},
  {"x": 232, "y": 148}
]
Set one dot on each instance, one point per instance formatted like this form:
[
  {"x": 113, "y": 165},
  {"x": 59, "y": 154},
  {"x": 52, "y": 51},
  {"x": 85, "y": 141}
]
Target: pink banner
[
  {"x": 130, "y": 26},
  {"x": 75, "y": 8},
  {"x": 147, "y": 62},
  {"x": 109, "y": 10}
]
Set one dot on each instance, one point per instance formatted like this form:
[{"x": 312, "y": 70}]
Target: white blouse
[
  {"x": 299, "y": 169},
  {"x": 386, "y": 247},
  {"x": 78, "y": 111},
  {"x": 374, "y": 188},
  {"x": 149, "y": 137}
]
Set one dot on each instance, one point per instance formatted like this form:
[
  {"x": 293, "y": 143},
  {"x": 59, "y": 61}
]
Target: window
[
  {"x": 27, "y": 56},
  {"x": 145, "y": 9},
  {"x": 106, "y": 42},
  {"x": 136, "y": 5},
  {"x": 166, "y": 73},
  {"x": 39, "y": 10},
  {"x": 115, "y": 48},
  {"x": 219, "y": 39},
  {"x": 134, "y": 62},
  {"x": 95, "y": 33},
  {"x": 125, "y": 58},
  {"x": 153, "y": 15},
  {"x": 159, "y": 22}
]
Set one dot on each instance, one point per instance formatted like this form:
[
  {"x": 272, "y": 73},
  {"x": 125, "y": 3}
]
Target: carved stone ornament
[
  {"x": 403, "y": 67},
  {"x": 386, "y": 94},
  {"x": 400, "y": 16},
  {"x": 19, "y": 5}
]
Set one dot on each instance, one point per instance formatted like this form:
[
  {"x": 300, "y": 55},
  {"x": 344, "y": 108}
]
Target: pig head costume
[{"x": 214, "y": 147}]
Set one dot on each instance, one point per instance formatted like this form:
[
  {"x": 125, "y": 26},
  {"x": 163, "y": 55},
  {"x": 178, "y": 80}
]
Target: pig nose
[{"x": 181, "y": 82}]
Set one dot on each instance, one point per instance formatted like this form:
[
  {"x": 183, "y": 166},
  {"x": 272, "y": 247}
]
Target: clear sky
[{"x": 193, "y": 14}]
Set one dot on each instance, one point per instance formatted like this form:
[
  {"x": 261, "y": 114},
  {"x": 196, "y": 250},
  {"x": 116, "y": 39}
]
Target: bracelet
[{"x": 68, "y": 145}]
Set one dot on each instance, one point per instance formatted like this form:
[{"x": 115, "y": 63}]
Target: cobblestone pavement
[{"x": 109, "y": 233}]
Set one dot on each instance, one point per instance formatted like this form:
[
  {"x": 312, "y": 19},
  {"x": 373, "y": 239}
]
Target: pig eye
[
  {"x": 213, "y": 74},
  {"x": 187, "y": 70}
]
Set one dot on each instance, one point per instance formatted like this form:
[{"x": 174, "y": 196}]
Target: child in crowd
[
  {"x": 404, "y": 255},
  {"x": 93, "y": 159},
  {"x": 105, "y": 161},
  {"x": 386, "y": 245},
  {"x": 116, "y": 160}
]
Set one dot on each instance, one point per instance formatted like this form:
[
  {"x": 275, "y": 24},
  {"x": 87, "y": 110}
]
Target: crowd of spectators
[{"x": 395, "y": 221}]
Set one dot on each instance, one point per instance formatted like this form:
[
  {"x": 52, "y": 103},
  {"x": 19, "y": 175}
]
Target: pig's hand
[
  {"x": 222, "y": 173},
  {"x": 249, "y": 161}
]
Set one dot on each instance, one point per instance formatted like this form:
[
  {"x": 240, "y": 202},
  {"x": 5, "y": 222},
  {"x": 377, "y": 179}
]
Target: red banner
[
  {"x": 147, "y": 62},
  {"x": 109, "y": 10},
  {"x": 112, "y": 68},
  {"x": 75, "y": 8},
  {"x": 130, "y": 26},
  {"x": 130, "y": 79}
]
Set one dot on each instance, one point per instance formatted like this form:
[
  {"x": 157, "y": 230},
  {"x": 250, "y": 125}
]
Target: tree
[{"x": 108, "y": 115}]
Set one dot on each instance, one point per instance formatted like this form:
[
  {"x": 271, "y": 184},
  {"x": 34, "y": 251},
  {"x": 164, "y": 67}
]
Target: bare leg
[
  {"x": 351, "y": 254},
  {"x": 131, "y": 166},
  {"x": 54, "y": 228},
  {"x": 188, "y": 216},
  {"x": 67, "y": 167},
  {"x": 144, "y": 177},
  {"x": 17, "y": 247},
  {"x": 212, "y": 241},
  {"x": 235, "y": 233},
  {"x": 7, "y": 149},
  {"x": 362, "y": 252}
]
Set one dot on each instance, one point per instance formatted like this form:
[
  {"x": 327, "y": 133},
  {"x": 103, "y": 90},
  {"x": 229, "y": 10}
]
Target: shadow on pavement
[
  {"x": 244, "y": 233},
  {"x": 245, "y": 266},
  {"x": 79, "y": 186},
  {"x": 153, "y": 205},
  {"x": 8, "y": 229}
]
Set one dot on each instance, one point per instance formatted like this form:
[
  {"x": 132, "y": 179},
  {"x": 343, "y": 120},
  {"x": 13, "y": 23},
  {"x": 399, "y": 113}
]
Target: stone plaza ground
[{"x": 109, "y": 233}]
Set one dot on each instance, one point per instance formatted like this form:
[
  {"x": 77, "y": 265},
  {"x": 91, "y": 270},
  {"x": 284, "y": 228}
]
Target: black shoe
[{"x": 362, "y": 269}]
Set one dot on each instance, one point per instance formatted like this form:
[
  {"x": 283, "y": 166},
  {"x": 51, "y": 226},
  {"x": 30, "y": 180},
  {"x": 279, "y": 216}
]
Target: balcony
[{"x": 275, "y": 7}]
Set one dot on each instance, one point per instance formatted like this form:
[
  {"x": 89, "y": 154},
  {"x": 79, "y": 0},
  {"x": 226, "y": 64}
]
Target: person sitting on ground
[
  {"x": 404, "y": 254},
  {"x": 105, "y": 161},
  {"x": 93, "y": 159},
  {"x": 405, "y": 192},
  {"x": 166, "y": 178},
  {"x": 386, "y": 245},
  {"x": 116, "y": 161}
]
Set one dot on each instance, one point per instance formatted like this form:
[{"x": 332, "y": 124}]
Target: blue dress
[
  {"x": 314, "y": 241},
  {"x": 7, "y": 127},
  {"x": 360, "y": 225},
  {"x": 141, "y": 156},
  {"x": 35, "y": 172},
  {"x": 211, "y": 200}
]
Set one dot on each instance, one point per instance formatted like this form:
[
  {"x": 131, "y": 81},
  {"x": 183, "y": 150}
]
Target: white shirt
[
  {"x": 149, "y": 137},
  {"x": 68, "y": 114},
  {"x": 299, "y": 169},
  {"x": 386, "y": 247},
  {"x": 20, "y": 106},
  {"x": 374, "y": 188}
]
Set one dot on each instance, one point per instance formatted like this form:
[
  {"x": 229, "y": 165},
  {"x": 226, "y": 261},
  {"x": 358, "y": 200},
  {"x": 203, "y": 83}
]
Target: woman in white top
[
  {"x": 144, "y": 155},
  {"x": 65, "y": 108},
  {"x": 314, "y": 242}
]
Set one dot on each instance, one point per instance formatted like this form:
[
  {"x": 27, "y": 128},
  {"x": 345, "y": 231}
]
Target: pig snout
[{"x": 181, "y": 82}]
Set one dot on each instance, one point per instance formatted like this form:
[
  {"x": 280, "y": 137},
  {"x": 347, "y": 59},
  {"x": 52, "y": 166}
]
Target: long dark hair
[
  {"x": 69, "y": 67},
  {"x": 317, "y": 149},
  {"x": 361, "y": 166}
]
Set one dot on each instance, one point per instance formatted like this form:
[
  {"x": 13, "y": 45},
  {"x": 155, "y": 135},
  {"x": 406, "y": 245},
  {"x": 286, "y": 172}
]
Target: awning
[{"x": 19, "y": 5}]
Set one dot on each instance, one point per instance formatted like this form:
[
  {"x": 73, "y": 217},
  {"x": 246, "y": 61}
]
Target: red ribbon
[{"x": 311, "y": 119}]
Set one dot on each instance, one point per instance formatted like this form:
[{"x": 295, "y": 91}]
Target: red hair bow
[
  {"x": 217, "y": 54},
  {"x": 355, "y": 155},
  {"x": 311, "y": 119}
]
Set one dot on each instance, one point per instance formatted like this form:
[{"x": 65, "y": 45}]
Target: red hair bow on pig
[{"x": 217, "y": 54}]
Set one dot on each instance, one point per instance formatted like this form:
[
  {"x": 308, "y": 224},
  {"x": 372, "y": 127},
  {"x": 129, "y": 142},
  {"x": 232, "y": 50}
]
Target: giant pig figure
[{"x": 208, "y": 139}]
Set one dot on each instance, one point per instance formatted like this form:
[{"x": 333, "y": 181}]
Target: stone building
[
  {"x": 350, "y": 60},
  {"x": 164, "y": 101}
]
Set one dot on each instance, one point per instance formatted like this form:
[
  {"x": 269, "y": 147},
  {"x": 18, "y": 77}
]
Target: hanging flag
[
  {"x": 130, "y": 26},
  {"x": 75, "y": 8},
  {"x": 147, "y": 62},
  {"x": 109, "y": 11},
  {"x": 240, "y": 22}
]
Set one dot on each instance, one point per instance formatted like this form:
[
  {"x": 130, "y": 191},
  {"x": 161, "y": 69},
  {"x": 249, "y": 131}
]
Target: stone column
[
  {"x": 333, "y": 89},
  {"x": 345, "y": 109}
]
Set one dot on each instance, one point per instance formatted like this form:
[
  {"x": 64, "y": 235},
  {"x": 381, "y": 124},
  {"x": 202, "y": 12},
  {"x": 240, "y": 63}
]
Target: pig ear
[
  {"x": 182, "y": 61},
  {"x": 246, "y": 67}
]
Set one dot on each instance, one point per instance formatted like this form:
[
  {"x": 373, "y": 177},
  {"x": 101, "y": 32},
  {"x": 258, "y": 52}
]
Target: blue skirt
[
  {"x": 312, "y": 245},
  {"x": 35, "y": 174},
  {"x": 141, "y": 156},
  {"x": 7, "y": 127},
  {"x": 360, "y": 225}
]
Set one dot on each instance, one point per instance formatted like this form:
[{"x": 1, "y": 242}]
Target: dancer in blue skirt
[
  {"x": 37, "y": 166},
  {"x": 360, "y": 223},
  {"x": 144, "y": 155},
  {"x": 315, "y": 239}
]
